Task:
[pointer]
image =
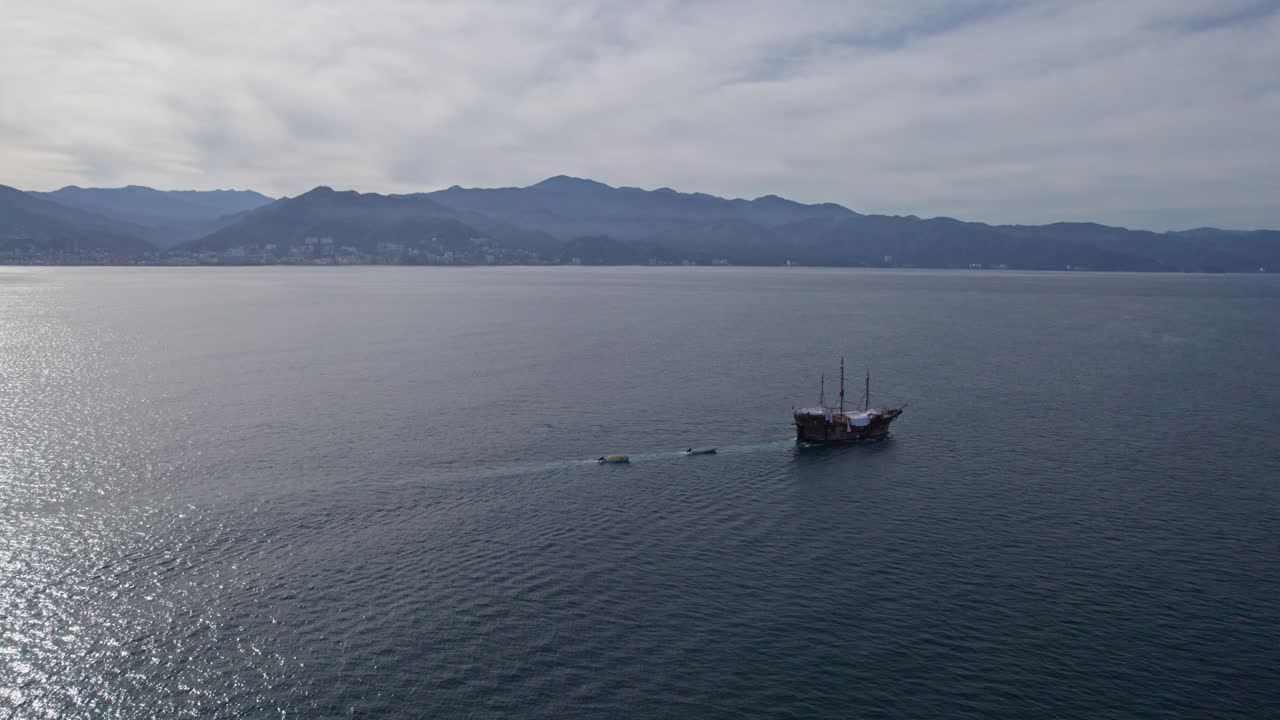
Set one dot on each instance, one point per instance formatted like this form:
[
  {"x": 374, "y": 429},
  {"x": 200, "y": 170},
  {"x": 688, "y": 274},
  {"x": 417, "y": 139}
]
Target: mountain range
[
  {"x": 167, "y": 216},
  {"x": 366, "y": 221},
  {"x": 569, "y": 219},
  {"x": 35, "y": 225}
]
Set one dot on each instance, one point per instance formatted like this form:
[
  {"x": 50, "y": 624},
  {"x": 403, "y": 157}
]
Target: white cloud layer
[{"x": 1144, "y": 113}]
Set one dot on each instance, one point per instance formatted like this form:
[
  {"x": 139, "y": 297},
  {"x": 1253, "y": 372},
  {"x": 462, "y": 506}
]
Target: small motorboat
[
  {"x": 614, "y": 459},
  {"x": 700, "y": 451}
]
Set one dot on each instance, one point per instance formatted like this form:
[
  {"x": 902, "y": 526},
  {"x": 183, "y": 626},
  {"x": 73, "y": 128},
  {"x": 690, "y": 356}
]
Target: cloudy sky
[{"x": 1145, "y": 113}]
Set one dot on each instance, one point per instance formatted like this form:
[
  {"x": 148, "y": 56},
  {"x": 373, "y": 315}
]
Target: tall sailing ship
[{"x": 834, "y": 425}]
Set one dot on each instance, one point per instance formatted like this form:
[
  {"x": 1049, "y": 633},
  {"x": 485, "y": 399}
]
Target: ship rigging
[{"x": 826, "y": 425}]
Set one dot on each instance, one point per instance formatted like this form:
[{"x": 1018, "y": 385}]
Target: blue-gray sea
[{"x": 369, "y": 492}]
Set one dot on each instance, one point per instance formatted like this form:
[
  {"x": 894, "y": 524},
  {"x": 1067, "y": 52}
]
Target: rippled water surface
[{"x": 367, "y": 492}]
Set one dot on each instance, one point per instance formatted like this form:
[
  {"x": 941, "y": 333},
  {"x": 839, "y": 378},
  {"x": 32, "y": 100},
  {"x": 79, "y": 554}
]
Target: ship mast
[
  {"x": 822, "y": 391},
  {"x": 866, "y": 397},
  {"x": 842, "y": 385}
]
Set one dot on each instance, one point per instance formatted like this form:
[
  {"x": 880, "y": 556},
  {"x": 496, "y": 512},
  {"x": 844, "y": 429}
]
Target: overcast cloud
[{"x": 1144, "y": 113}]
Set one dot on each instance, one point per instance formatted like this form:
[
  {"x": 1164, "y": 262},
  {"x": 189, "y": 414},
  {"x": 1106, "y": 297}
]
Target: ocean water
[{"x": 368, "y": 492}]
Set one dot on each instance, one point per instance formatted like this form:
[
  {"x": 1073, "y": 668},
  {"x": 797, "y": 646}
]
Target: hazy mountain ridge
[
  {"x": 33, "y": 224},
  {"x": 771, "y": 230},
  {"x": 366, "y": 223},
  {"x": 169, "y": 216},
  {"x": 569, "y": 207},
  {"x": 347, "y": 217},
  {"x": 151, "y": 208},
  {"x": 563, "y": 218},
  {"x": 1204, "y": 249}
]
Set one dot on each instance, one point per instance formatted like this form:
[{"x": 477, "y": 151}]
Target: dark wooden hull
[{"x": 817, "y": 429}]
